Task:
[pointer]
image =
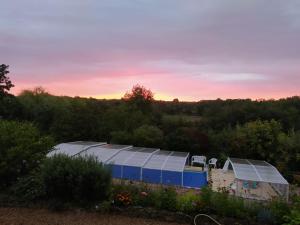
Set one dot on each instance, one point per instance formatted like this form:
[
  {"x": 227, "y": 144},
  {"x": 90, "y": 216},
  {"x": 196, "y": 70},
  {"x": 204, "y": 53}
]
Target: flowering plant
[{"x": 123, "y": 199}]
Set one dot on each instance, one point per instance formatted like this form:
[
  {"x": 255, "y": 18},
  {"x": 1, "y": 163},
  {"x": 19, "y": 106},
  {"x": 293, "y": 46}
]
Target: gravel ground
[{"x": 23, "y": 216}]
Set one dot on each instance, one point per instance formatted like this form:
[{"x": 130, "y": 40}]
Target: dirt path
[{"x": 23, "y": 216}]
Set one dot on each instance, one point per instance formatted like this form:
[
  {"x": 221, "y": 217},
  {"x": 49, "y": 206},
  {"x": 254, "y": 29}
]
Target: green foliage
[
  {"x": 224, "y": 204},
  {"x": 121, "y": 137},
  {"x": 278, "y": 210},
  {"x": 21, "y": 150},
  {"x": 168, "y": 199},
  {"x": 77, "y": 180},
  {"x": 294, "y": 217},
  {"x": 149, "y": 198},
  {"x": 29, "y": 188},
  {"x": 258, "y": 139},
  {"x": 148, "y": 136},
  {"x": 10, "y": 107},
  {"x": 140, "y": 195},
  {"x": 163, "y": 198},
  {"x": 189, "y": 203},
  {"x": 264, "y": 215},
  {"x": 206, "y": 196}
]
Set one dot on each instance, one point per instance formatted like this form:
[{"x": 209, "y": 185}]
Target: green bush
[
  {"x": 222, "y": 203},
  {"x": 168, "y": 199},
  {"x": 21, "y": 150},
  {"x": 293, "y": 218},
  {"x": 278, "y": 210},
  {"x": 189, "y": 203},
  {"x": 264, "y": 215},
  {"x": 219, "y": 203},
  {"x": 205, "y": 198},
  {"x": 77, "y": 180},
  {"x": 29, "y": 188}
]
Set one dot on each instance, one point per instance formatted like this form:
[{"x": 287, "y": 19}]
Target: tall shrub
[
  {"x": 75, "y": 180},
  {"x": 22, "y": 147}
]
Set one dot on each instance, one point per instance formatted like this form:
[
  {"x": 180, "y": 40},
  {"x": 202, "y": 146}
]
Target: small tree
[
  {"x": 140, "y": 97},
  {"x": 5, "y": 83}
]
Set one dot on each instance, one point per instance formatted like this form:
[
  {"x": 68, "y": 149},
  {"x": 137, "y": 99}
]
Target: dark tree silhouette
[
  {"x": 140, "y": 97},
  {"x": 5, "y": 83}
]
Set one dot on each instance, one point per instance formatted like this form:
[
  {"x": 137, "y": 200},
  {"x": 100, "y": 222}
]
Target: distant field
[{"x": 22, "y": 216}]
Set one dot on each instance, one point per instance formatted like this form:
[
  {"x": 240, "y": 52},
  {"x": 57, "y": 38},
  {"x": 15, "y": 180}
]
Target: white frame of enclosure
[
  {"x": 81, "y": 145},
  {"x": 259, "y": 171}
]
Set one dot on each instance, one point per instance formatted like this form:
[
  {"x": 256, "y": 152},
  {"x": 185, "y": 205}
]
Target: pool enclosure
[
  {"x": 73, "y": 148},
  {"x": 255, "y": 179},
  {"x": 148, "y": 165}
]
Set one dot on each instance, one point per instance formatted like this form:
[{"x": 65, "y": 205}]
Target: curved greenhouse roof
[
  {"x": 256, "y": 170},
  {"x": 104, "y": 152},
  {"x": 125, "y": 155},
  {"x": 73, "y": 148},
  {"x": 157, "y": 160},
  {"x": 140, "y": 157},
  {"x": 176, "y": 161}
]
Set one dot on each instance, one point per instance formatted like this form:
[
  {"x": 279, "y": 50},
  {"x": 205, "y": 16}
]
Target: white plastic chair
[
  {"x": 199, "y": 159},
  {"x": 213, "y": 162}
]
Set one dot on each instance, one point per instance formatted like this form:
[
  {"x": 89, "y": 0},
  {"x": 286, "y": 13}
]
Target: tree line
[{"x": 256, "y": 129}]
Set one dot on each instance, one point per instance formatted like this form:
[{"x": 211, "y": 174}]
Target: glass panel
[
  {"x": 256, "y": 170},
  {"x": 140, "y": 157},
  {"x": 123, "y": 156},
  {"x": 103, "y": 153},
  {"x": 157, "y": 160},
  {"x": 270, "y": 174},
  {"x": 72, "y": 148},
  {"x": 110, "y": 146},
  {"x": 258, "y": 162},
  {"x": 176, "y": 161}
]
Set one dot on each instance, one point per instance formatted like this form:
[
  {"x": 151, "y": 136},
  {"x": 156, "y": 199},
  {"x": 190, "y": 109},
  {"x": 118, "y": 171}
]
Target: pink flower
[{"x": 144, "y": 193}]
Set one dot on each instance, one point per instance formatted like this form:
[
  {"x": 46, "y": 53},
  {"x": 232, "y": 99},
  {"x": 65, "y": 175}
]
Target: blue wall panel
[
  {"x": 151, "y": 176},
  {"x": 194, "y": 179},
  {"x": 131, "y": 172},
  {"x": 116, "y": 171},
  {"x": 171, "y": 177}
]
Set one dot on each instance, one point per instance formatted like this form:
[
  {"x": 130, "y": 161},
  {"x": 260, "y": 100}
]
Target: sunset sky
[{"x": 186, "y": 49}]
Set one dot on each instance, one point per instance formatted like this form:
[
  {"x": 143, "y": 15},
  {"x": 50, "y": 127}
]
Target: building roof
[
  {"x": 157, "y": 160},
  {"x": 125, "y": 155},
  {"x": 176, "y": 161},
  {"x": 73, "y": 148},
  {"x": 256, "y": 170},
  {"x": 105, "y": 152}
]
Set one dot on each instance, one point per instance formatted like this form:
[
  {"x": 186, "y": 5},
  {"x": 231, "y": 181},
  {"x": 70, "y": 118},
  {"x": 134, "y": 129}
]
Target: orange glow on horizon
[{"x": 157, "y": 96}]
